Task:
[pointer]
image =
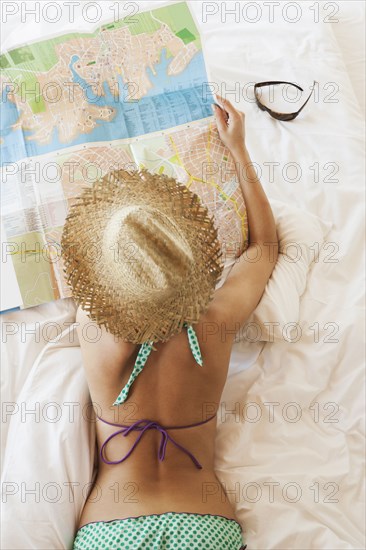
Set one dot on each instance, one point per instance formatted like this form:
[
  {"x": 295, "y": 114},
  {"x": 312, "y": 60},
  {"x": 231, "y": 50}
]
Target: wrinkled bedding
[{"x": 290, "y": 438}]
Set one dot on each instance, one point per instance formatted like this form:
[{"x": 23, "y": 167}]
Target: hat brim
[{"x": 138, "y": 315}]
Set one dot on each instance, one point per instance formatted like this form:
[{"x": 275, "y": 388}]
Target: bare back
[{"x": 172, "y": 390}]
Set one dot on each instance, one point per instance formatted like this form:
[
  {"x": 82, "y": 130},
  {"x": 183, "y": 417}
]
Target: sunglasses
[{"x": 274, "y": 114}]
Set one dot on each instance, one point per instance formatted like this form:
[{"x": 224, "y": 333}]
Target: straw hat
[{"x": 141, "y": 255}]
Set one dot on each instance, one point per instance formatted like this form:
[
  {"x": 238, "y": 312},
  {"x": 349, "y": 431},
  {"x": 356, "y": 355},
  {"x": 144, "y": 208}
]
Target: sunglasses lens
[
  {"x": 277, "y": 115},
  {"x": 287, "y": 117}
]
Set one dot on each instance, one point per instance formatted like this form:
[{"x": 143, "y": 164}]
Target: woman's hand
[{"x": 230, "y": 124}]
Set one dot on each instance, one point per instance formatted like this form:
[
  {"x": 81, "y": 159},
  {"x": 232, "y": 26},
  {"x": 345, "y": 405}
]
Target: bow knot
[{"x": 142, "y": 426}]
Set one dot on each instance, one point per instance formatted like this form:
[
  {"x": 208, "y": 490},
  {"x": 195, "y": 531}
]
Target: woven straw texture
[{"x": 141, "y": 255}]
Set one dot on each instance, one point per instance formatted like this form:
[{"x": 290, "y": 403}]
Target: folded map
[{"x": 134, "y": 93}]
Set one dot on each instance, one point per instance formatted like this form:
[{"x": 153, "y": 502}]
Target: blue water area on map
[
  {"x": 172, "y": 100},
  {"x": 194, "y": 74},
  {"x": 12, "y": 140}
]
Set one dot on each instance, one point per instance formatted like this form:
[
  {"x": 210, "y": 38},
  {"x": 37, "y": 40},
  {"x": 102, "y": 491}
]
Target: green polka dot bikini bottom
[{"x": 167, "y": 531}]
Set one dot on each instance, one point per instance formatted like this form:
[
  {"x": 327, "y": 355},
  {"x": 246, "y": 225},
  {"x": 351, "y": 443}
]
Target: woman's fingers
[
  {"x": 230, "y": 124},
  {"x": 220, "y": 118},
  {"x": 227, "y": 106}
]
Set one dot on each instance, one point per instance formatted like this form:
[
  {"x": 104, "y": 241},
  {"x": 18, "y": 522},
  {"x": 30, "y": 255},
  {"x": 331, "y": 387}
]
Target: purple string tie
[{"x": 142, "y": 426}]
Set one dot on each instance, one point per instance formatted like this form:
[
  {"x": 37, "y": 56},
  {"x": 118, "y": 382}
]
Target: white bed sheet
[
  {"x": 350, "y": 34},
  {"x": 315, "y": 466}
]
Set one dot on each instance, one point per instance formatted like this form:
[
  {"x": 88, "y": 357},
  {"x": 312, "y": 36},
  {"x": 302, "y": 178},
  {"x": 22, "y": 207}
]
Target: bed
[{"x": 290, "y": 433}]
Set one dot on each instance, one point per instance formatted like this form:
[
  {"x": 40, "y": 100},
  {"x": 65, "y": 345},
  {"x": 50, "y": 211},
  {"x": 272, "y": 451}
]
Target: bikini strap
[
  {"x": 140, "y": 362},
  {"x": 142, "y": 426},
  {"x": 193, "y": 344},
  {"x": 143, "y": 356},
  {"x": 165, "y": 427}
]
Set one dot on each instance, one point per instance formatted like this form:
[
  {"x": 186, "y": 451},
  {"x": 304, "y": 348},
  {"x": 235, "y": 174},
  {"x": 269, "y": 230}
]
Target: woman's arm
[
  {"x": 236, "y": 299},
  {"x": 262, "y": 227}
]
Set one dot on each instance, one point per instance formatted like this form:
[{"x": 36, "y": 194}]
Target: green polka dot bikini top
[{"x": 143, "y": 355}]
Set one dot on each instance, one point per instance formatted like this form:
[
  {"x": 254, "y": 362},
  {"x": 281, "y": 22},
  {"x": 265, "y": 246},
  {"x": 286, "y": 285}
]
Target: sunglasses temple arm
[{"x": 311, "y": 93}]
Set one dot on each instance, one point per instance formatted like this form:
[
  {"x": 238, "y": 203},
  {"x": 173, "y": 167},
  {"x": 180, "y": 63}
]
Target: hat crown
[
  {"x": 152, "y": 253},
  {"x": 141, "y": 254}
]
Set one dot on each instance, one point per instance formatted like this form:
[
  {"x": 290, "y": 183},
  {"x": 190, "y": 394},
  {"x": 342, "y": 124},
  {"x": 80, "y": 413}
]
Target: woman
[{"x": 176, "y": 502}]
